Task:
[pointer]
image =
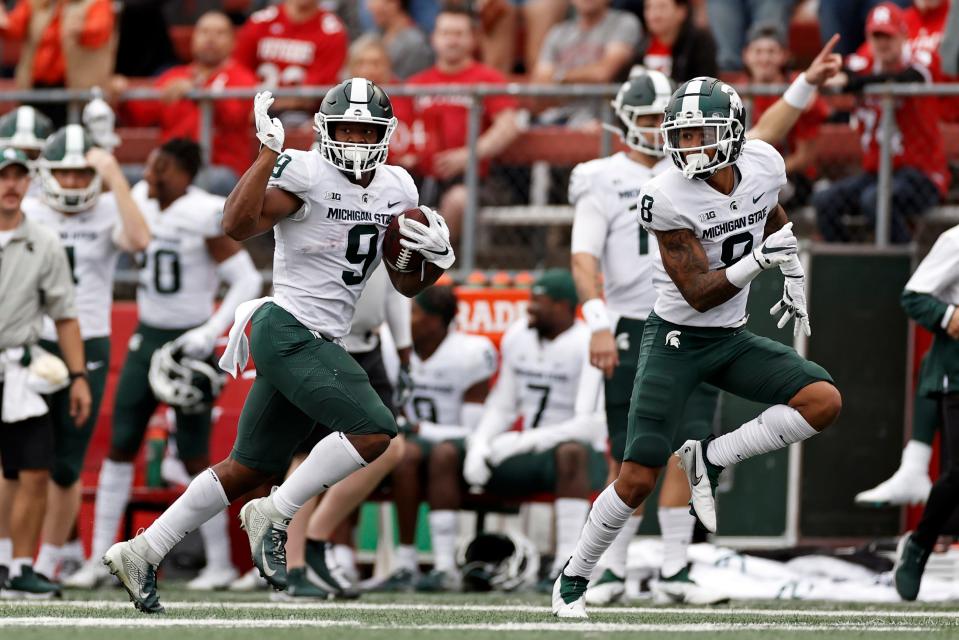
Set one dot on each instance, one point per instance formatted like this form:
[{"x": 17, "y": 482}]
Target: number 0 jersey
[
  {"x": 440, "y": 381},
  {"x": 178, "y": 281},
  {"x": 728, "y": 226},
  {"x": 545, "y": 381},
  {"x": 326, "y": 251},
  {"x": 89, "y": 238},
  {"x": 605, "y": 192}
]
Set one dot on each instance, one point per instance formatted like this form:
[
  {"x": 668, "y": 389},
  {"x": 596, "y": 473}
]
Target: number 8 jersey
[
  {"x": 728, "y": 226},
  {"x": 326, "y": 251},
  {"x": 178, "y": 280}
]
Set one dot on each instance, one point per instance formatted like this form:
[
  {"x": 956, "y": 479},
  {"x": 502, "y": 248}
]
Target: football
[{"x": 396, "y": 256}]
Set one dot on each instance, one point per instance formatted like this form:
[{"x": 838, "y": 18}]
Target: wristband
[
  {"x": 744, "y": 271},
  {"x": 74, "y": 375},
  {"x": 947, "y": 317},
  {"x": 595, "y": 314},
  {"x": 800, "y": 93}
]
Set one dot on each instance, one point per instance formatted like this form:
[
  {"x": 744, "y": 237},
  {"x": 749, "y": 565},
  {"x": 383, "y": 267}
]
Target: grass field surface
[{"x": 108, "y": 615}]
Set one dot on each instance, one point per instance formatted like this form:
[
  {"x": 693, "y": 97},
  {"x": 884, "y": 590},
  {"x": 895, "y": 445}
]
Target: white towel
[
  {"x": 19, "y": 400},
  {"x": 237, "y": 352}
]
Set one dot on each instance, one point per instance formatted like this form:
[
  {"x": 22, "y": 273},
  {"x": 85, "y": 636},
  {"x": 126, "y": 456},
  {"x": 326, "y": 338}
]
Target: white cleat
[
  {"x": 213, "y": 579},
  {"x": 906, "y": 486},
  {"x": 90, "y": 576},
  {"x": 609, "y": 588},
  {"x": 681, "y": 589},
  {"x": 692, "y": 461},
  {"x": 134, "y": 564},
  {"x": 249, "y": 581},
  {"x": 569, "y": 599}
]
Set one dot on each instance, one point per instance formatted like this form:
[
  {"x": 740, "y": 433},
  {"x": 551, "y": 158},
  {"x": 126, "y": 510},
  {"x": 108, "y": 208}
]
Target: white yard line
[
  {"x": 160, "y": 622},
  {"x": 116, "y": 605}
]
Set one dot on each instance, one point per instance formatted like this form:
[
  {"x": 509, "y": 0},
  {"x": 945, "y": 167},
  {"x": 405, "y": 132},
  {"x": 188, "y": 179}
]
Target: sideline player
[
  {"x": 328, "y": 210},
  {"x": 94, "y": 228},
  {"x": 183, "y": 266},
  {"x": 607, "y": 234},
  {"x": 719, "y": 225}
]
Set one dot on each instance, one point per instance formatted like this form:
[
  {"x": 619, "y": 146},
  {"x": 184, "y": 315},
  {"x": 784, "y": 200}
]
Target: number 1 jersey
[
  {"x": 326, "y": 251},
  {"x": 728, "y": 226}
]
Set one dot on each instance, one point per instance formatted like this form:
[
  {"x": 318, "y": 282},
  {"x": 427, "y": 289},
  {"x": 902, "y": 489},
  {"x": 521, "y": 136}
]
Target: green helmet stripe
[
  {"x": 358, "y": 91},
  {"x": 26, "y": 121}
]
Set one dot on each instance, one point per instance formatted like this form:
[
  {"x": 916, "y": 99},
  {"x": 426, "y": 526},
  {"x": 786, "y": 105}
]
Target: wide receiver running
[
  {"x": 328, "y": 210},
  {"x": 718, "y": 224}
]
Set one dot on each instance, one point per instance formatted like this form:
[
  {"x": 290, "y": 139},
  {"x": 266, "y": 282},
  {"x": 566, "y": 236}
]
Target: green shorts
[
  {"x": 536, "y": 473},
  {"x": 135, "y": 402},
  {"x": 700, "y": 408},
  {"x": 675, "y": 359},
  {"x": 301, "y": 380},
  {"x": 70, "y": 440}
]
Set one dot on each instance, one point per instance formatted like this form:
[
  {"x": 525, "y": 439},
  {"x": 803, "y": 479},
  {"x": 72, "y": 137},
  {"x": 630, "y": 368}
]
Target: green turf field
[{"x": 107, "y": 615}]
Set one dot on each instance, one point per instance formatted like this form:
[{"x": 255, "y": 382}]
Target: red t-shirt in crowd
[
  {"x": 917, "y": 141},
  {"x": 925, "y": 34},
  {"x": 232, "y": 133},
  {"x": 405, "y": 140},
  {"x": 659, "y": 57},
  {"x": 443, "y": 119},
  {"x": 806, "y": 128},
  {"x": 287, "y": 53}
]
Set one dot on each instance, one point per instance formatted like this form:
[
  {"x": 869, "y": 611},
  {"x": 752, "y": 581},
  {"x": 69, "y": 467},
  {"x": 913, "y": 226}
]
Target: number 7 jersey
[
  {"x": 326, "y": 251},
  {"x": 727, "y": 226}
]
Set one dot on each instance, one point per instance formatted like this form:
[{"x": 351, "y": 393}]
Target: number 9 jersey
[
  {"x": 326, "y": 251},
  {"x": 728, "y": 226},
  {"x": 178, "y": 280}
]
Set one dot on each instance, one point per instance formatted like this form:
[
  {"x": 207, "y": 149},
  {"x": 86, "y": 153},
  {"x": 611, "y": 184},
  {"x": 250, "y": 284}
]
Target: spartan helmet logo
[{"x": 672, "y": 339}]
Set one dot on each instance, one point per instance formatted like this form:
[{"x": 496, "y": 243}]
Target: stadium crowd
[{"x": 455, "y": 396}]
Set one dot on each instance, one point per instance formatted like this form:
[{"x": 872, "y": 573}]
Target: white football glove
[
  {"x": 433, "y": 242},
  {"x": 777, "y": 249},
  {"x": 197, "y": 343},
  {"x": 793, "y": 302},
  {"x": 100, "y": 121},
  {"x": 476, "y": 470},
  {"x": 269, "y": 131}
]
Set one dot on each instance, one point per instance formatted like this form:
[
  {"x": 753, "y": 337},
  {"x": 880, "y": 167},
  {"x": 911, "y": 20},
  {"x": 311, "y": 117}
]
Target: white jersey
[
  {"x": 605, "y": 193},
  {"x": 543, "y": 380},
  {"x": 938, "y": 273},
  {"x": 440, "y": 381},
  {"x": 90, "y": 240},
  {"x": 728, "y": 226},
  {"x": 178, "y": 280},
  {"x": 326, "y": 251}
]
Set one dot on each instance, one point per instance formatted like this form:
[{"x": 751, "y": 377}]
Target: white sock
[
  {"x": 6, "y": 552},
  {"x": 332, "y": 459},
  {"x": 616, "y": 555},
  {"x": 47, "y": 559},
  {"x": 916, "y": 456},
  {"x": 776, "y": 427},
  {"x": 216, "y": 541},
  {"x": 676, "y": 525},
  {"x": 608, "y": 515},
  {"x": 571, "y": 514},
  {"x": 113, "y": 493},
  {"x": 203, "y": 499},
  {"x": 72, "y": 550},
  {"x": 443, "y": 532},
  {"x": 407, "y": 558},
  {"x": 346, "y": 558},
  {"x": 17, "y": 565}
]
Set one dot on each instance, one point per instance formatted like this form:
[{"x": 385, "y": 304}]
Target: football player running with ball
[
  {"x": 718, "y": 224},
  {"x": 328, "y": 210}
]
